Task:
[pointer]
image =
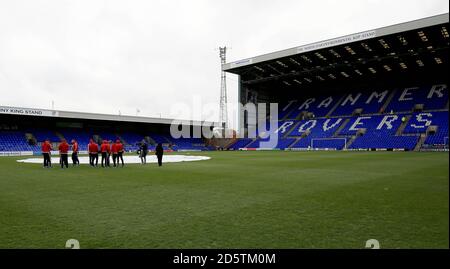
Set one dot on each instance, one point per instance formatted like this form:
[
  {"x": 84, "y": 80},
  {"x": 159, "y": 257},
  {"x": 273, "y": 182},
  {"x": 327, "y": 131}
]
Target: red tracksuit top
[
  {"x": 63, "y": 148},
  {"x": 46, "y": 147},
  {"x": 93, "y": 148},
  {"x": 75, "y": 147},
  {"x": 105, "y": 148},
  {"x": 114, "y": 148},
  {"x": 119, "y": 147}
]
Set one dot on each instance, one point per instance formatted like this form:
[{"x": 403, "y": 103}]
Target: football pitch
[{"x": 264, "y": 199}]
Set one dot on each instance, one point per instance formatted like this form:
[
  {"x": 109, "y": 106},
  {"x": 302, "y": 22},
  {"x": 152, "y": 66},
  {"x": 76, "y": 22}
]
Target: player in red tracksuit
[
  {"x": 108, "y": 160},
  {"x": 46, "y": 151},
  {"x": 75, "y": 149},
  {"x": 93, "y": 153},
  {"x": 120, "y": 150},
  {"x": 115, "y": 153},
  {"x": 63, "y": 152},
  {"x": 106, "y": 150}
]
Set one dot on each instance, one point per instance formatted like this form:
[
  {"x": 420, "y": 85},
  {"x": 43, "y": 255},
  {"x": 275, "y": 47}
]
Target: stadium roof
[
  {"x": 21, "y": 111},
  {"x": 407, "y": 47}
]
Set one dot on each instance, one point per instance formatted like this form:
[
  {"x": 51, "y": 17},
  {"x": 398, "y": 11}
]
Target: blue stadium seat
[
  {"x": 319, "y": 129},
  {"x": 380, "y": 132},
  {"x": 158, "y": 138},
  {"x": 419, "y": 122},
  {"x": 370, "y": 102},
  {"x": 286, "y": 108},
  {"x": 281, "y": 143},
  {"x": 241, "y": 143},
  {"x": 42, "y": 134},
  {"x": 381, "y": 129},
  {"x": 320, "y": 106},
  {"x": 81, "y": 136},
  {"x": 432, "y": 97},
  {"x": 15, "y": 141}
]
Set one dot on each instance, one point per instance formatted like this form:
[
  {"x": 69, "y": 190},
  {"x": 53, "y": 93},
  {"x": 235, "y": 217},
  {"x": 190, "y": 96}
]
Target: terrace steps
[
  {"x": 403, "y": 125},
  {"x": 336, "y": 134},
  {"x": 388, "y": 101},
  {"x": 291, "y": 130},
  {"x": 420, "y": 142},
  {"x": 335, "y": 106},
  {"x": 293, "y": 143},
  {"x": 350, "y": 142}
]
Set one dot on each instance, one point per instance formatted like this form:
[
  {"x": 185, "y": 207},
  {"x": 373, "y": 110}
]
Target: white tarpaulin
[{"x": 127, "y": 159}]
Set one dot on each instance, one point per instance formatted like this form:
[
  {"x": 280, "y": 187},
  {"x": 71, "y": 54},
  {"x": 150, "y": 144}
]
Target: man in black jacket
[
  {"x": 143, "y": 148},
  {"x": 159, "y": 152}
]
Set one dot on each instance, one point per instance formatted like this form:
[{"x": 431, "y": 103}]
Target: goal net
[{"x": 329, "y": 143}]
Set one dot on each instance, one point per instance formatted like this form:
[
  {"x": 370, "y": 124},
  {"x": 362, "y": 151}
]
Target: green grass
[{"x": 234, "y": 200}]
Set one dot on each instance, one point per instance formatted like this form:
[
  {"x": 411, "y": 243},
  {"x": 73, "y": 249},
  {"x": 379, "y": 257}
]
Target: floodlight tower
[{"x": 223, "y": 89}]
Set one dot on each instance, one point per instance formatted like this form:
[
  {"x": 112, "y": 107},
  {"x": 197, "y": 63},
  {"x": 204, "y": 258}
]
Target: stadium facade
[
  {"x": 382, "y": 89},
  {"x": 22, "y": 130}
]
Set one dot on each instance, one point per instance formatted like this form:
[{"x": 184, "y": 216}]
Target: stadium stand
[
  {"x": 397, "y": 127},
  {"x": 281, "y": 143},
  {"x": 131, "y": 140},
  {"x": 15, "y": 141},
  {"x": 419, "y": 122},
  {"x": 158, "y": 138},
  {"x": 431, "y": 97},
  {"x": 189, "y": 143},
  {"x": 377, "y": 140},
  {"x": 80, "y": 135},
  {"x": 42, "y": 134},
  {"x": 285, "y": 108},
  {"x": 319, "y": 106},
  {"x": 395, "y": 71},
  {"x": 380, "y": 133},
  {"x": 319, "y": 130},
  {"x": 241, "y": 143},
  {"x": 279, "y": 129},
  {"x": 107, "y": 136},
  {"x": 439, "y": 138},
  {"x": 369, "y": 103}
]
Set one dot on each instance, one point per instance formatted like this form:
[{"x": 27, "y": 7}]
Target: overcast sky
[{"x": 106, "y": 56}]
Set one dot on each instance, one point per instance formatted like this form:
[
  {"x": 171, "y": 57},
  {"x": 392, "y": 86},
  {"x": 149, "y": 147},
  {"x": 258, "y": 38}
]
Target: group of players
[{"x": 106, "y": 149}]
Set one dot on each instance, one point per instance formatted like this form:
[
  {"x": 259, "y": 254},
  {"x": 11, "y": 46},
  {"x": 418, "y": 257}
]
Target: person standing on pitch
[
  {"x": 105, "y": 149},
  {"x": 114, "y": 154},
  {"x": 46, "y": 148},
  {"x": 159, "y": 152},
  {"x": 99, "y": 152},
  {"x": 120, "y": 150},
  {"x": 108, "y": 160},
  {"x": 75, "y": 160},
  {"x": 93, "y": 153},
  {"x": 63, "y": 152},
  {"x": 144, "y": 151}
]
